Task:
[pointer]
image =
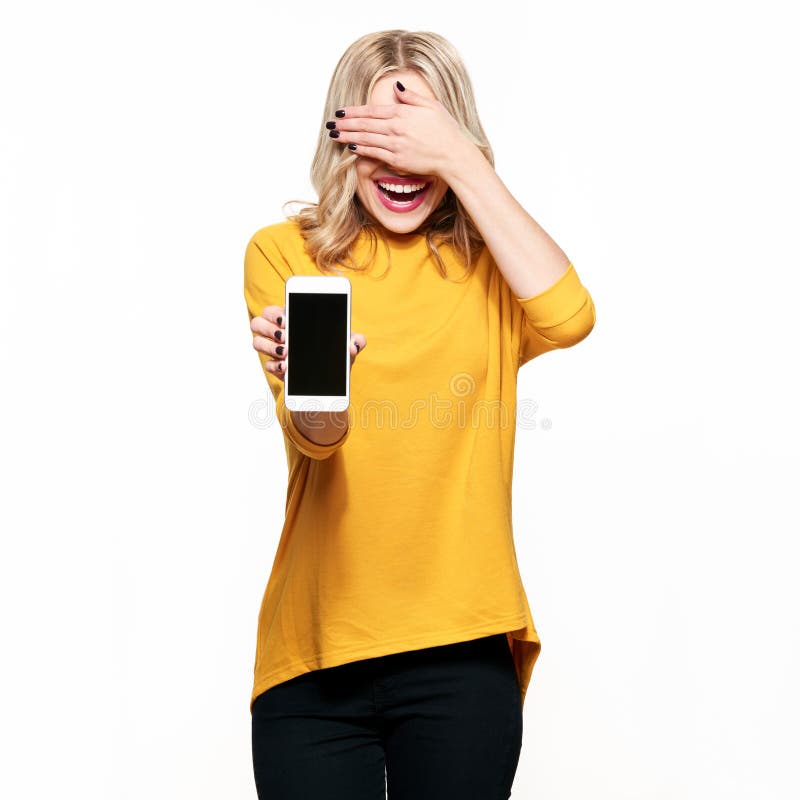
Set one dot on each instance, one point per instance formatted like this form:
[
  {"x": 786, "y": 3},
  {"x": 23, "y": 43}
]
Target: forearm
[
  {"x": 526, "y": 255},
  {"x": 321, "y": 427}
]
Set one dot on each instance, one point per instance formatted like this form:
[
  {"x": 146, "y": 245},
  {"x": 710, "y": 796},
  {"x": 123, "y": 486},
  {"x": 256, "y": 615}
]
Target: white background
[{"x": 141, "y": 146}]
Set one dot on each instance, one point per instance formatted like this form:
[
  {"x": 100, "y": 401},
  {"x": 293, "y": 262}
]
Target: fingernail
[
  {"x": 334, "y": 134},
  {"x": 280, "y": 320},
  {"x": 330, "y": 125},
  {"x": 400, "y": 86},
  {"x": 277, "y": 334},
  {"x": 280, "y": 363},
  {"x": 279, "y": 349},
  {"x": 352, "y": 146},
  {"x": 340, "y": 113},
  {"x": 358, "y": 348}
]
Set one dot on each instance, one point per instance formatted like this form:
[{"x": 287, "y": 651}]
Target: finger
[
  {"x": 269, "y": 347},
  {"x": 277, "y": 368},
  {"x": 362, "y": 139},
  {"x": 269, "y": 330},
  {"x": 271, "y": 317},
  {"x": 368, "y": 124},
  {"x": 263, "y": 326},
  {"x": 410, "y": 96},
  {"x": 376, "y": 111},
  {"x": 379, "y": 153},
  {"x": 275, "y": 314}
]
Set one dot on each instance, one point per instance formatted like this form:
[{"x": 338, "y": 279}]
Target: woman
[{"x": 395, "y": 643}]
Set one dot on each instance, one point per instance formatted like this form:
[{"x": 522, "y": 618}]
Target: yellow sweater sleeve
[
  {"x": 560, "y": 316},
  {"x": 265, "y": 275}
]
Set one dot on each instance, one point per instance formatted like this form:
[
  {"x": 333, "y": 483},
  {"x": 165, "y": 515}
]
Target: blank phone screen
[{"x": 318, "y": 354}]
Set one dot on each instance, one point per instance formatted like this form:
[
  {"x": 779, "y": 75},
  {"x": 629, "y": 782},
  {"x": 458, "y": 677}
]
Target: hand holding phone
[
  {"x": 271, "y": 339},
  {"x": 272, "y": 329},
  {"x": 322, "y": 314}
]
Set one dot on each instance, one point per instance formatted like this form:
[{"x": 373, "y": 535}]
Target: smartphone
[{"x": 318, "y": 335}]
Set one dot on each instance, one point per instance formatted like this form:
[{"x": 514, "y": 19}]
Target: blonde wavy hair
[{"x": 331, "y": 226}]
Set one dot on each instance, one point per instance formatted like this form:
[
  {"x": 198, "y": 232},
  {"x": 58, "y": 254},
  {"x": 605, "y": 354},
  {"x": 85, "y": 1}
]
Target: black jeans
[{"x": 444, "y": 722}]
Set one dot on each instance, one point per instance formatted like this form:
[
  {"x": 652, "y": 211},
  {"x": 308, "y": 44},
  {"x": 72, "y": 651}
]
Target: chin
[{"x": 408, "y": 224}]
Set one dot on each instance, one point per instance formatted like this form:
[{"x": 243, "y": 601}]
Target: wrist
[{"x": 463, "y": 162}]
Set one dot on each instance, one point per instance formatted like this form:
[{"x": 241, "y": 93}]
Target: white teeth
[{"x": 406, "y": 188}]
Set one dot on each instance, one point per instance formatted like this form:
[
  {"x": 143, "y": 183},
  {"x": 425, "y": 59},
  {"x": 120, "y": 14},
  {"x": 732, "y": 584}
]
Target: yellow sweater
[{"x": 399, "y": 536}]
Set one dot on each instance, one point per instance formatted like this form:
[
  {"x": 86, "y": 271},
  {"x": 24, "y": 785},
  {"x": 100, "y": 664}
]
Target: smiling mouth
[{"x": 401, "y": 193}]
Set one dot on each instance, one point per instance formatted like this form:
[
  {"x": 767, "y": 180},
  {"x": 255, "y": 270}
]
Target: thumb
[{"x": 357, "y": 343}]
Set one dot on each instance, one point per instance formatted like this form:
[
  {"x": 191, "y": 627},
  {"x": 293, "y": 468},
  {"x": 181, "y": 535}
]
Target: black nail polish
[
  {"x": 277, "y": 334},
  {"x": 340, "y": 112},
  {"x": 334, "y": 134},
  {"x": 400, "y": 86},
  {"x": 352, "y": 146},
  {"x": 330, "y": 125},
  {"x": 279, "y": 349},
  {"x": 280, "y": 320},
  {"x": 358, "y": 348},
  {"x": 278, "y": 367}
]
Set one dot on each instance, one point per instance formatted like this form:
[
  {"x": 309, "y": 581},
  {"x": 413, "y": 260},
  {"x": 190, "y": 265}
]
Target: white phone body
[{"x": 318, "y": 343}]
